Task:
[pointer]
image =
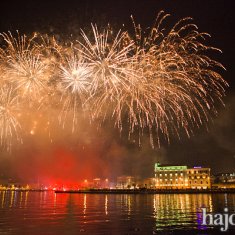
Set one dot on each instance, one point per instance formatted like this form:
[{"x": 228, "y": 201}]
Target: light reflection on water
[{"x": 48, "y": 213}]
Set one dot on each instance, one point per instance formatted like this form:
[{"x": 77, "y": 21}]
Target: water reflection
[
  {"x": 170, "y": 209},
  {"x": 3, "y": 198},
  {"x": 49, "y": 213},
  {"x": 84, "y": 205},
  {"x": 106, "y": 205}
]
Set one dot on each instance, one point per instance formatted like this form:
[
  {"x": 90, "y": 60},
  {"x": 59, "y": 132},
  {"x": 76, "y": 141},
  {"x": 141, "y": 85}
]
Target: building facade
[
  {"x": 126, "y": 182},
  {"x": 181, "y": 177},
  {"x": 171, "y": 177},
  {"x": 199, "y": 178},
  {"x": 149, "y": 183},
  {"x": 225, "y": 178}
]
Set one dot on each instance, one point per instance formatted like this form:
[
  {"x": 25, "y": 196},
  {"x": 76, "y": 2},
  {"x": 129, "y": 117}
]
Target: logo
[{"x": 224, "y": 220}]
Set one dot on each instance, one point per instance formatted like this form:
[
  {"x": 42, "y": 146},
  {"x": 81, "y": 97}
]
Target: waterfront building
[
  {"x": 126, "y": 182},
  {"x": 182, "y": 177},
  {"x": 96, "y": 183},
  {"x": 199, "y": 178},
  {"x": 171, "y": 177},
  {"x": 225, "y": 178},
  {"x": 149, "y": 183}
]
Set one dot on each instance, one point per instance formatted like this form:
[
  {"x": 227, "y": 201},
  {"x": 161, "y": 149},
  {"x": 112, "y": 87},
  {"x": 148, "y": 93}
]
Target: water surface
[{"x": 42, "y": 213}]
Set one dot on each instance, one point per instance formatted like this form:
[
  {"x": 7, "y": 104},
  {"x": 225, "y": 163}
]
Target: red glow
[{"x": 61, "y": 168}]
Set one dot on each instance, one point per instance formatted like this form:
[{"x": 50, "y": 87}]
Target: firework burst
[
  {"x": 25, "y": 68},
  {"x": 180, "y": 85},
  {"x": 74, "y": 81},
  {"x": 158, "y": 80},
  {"x": 112, "y": 65}
]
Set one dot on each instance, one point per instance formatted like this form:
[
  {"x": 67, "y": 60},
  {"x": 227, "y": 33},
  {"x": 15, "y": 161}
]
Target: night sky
[{"x": 106, "y": 154}]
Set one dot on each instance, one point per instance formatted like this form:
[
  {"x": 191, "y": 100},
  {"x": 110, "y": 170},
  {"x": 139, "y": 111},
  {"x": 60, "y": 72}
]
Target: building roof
[
  {"x": 165, "y": 165},
  {"x": 169, "y": 167}
]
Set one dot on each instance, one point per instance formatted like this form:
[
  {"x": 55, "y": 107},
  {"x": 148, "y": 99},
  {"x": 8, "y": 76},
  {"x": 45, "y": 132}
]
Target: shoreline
[
  {"x": 148, "y": 191},
  {"x": 130, "y": 191}
]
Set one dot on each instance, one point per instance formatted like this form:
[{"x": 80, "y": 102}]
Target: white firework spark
[{"x": 74, "y": 82}]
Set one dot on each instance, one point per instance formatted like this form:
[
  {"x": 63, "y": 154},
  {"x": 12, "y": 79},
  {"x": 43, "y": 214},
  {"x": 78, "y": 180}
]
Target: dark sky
[{"x": 215, "y": 148}]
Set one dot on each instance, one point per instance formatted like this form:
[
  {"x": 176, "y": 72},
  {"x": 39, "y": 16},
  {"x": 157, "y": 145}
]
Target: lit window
[
  {"x": 160, "y": 174},
  {"x": 165, "y": 174},
  {"x": 176, "y": 174}
]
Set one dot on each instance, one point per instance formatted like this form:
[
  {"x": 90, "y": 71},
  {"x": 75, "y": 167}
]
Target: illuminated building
[
  {"x": 96, "y": 183},
  {"x": 148, "y": 183},
  {"x": 199, "y": 178},
  {"x": 181, "y": 177},
  {"x": 171, "y": 177},
  {"x": 126, "y": 182},
  {"x": 225, "y": 178}
]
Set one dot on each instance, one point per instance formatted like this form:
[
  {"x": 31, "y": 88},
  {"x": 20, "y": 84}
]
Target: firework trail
[
  {"x": 157, "y": 80},
  {"x": 9, "y": 125}
]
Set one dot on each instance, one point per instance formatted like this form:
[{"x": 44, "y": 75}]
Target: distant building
[
  {"x": 96, "y": 183},
  {"x": 171, "y": 177},
  {"x": 126, "y": 182},
  {"x": 225, "y": 178},
  {"x": 148, "y": 183},
  {"x": 199, "y": 178}
]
